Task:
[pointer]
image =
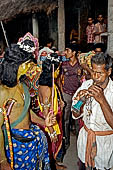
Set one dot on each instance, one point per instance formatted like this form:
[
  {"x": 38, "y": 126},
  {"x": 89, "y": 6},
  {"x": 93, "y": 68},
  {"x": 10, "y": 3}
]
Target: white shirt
[
  {"x": 99, "y": 28},
  {"x": 97, "y": 122}
]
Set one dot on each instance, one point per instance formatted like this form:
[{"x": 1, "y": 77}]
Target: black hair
[
  {"x": 73, "y": 47},
  {"x": 102, "y": 58},
  {"x": 100, "y": 14},
  {"x": 89, "y": 16},
  {"x": 99, "y": 45},
  {"x": 13, "y": 58},
  {"x": 48, "y": 40},
  {"x": 46, "y": 75},
  {"x": 54, "y": 49}
]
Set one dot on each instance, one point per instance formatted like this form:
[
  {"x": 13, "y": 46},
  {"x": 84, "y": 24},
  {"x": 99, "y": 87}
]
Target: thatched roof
[{"x": 9, "y": 9}]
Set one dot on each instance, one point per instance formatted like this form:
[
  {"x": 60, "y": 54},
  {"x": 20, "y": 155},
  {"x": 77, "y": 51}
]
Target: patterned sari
[{"x": 30, "y": 149}]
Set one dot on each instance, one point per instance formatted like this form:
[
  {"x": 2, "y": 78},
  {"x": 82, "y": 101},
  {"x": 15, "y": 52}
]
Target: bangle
[
  {"x": 2, "y": 160},
  {"x": 52, "y": 135}
]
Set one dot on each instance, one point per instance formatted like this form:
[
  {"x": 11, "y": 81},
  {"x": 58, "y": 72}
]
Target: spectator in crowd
[
  {"x": 71, "y": 72},
  {"x": 99, "y": 28},
  {"x": 85, "y": 59},
  {"x": 90, "y": 34},
  {"x": 73, "y": 35},
  {"x": 99, "y": 47}
]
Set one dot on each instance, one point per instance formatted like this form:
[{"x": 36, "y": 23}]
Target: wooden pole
[
  {"x": 52, "y": 88},
  {"x": 4, "y": 34}
]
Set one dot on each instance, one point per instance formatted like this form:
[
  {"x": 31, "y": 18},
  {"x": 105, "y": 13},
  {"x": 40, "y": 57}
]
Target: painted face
[
  {"x": 43, "y": 56},
  {"x": 100, "y": 75},
  {"x": 44, "y": 53}
]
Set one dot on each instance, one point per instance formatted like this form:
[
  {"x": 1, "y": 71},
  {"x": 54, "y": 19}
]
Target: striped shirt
[{"x": 89, "y": 33}]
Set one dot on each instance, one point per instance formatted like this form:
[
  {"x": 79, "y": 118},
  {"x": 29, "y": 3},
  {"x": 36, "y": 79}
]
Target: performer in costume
[
  {"x": 32, "y": 75},
  {"x": 25, "y": 144},
  {"x": 54, "y": 133}
]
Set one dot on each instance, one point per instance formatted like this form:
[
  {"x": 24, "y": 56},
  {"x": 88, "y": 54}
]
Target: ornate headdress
[{"x": 29, "y": 36}]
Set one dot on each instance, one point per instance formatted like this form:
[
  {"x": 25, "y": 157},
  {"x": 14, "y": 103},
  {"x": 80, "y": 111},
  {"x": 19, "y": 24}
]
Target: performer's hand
[
  {"x": 5, "y": 165},
  {"x": 96, "y": 92},
  {"x": 50, "y": 119}
]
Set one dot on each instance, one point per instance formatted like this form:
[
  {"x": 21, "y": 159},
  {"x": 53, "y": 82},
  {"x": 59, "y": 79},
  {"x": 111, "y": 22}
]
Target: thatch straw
[{"x": 9, "y": 9}]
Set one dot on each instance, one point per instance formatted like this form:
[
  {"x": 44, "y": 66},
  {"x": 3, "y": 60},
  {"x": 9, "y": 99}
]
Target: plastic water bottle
[{"x": 77, "y": 106}]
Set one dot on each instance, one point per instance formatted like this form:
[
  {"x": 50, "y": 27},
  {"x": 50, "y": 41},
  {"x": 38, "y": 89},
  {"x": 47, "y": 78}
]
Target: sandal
[{"x": 60, "y": 166}]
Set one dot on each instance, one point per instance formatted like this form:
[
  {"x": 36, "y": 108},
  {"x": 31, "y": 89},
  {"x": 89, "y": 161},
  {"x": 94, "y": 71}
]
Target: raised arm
[
  {"x": 98, "y": 94},
  {"x": 48, "y": 121},
  {"x": 45, "y": 97}
]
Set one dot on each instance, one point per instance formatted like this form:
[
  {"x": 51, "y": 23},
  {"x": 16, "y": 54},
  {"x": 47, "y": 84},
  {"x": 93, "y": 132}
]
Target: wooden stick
[
  {"x": 52, "y": 88},
  {"x": 4, "y": 34}
]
